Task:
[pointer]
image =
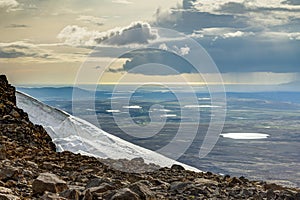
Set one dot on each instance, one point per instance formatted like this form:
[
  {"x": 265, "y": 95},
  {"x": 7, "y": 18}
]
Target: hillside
[{"x": 30, "y": 168}]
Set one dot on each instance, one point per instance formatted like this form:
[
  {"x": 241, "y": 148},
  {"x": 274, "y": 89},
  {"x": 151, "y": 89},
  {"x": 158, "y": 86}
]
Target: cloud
[
  {"x": 17, "y": 26},
  {"x": 264, "y": 14},
  {"x": 254, "y": 54},
  {"x": 233, "y": 7},
  {"x": 9, "y": 5},
  {"x": 239, "y": 14},
  {"x": 221, "y": 32},
  {"x": 91, "y": 19},
  {"x": 77, "y": 36},
  {"x": 135, "y": 33},
  {"x": 161, "y": 57},
  {"x": 184, "y": 50},
  {"x": 292, "y": 2},
  {"x": 241, "y": 35},
  {"x": 122, "y": 1},
  {"x": 188, "y": 18},
  {"x": 188, "y": 4},
  {"x": 281, "y": 36},
  {"x": 21, "y": 49}
]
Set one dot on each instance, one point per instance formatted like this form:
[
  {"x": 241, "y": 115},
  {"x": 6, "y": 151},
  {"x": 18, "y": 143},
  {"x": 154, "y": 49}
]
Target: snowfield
[{"x": 79, "y": 136}]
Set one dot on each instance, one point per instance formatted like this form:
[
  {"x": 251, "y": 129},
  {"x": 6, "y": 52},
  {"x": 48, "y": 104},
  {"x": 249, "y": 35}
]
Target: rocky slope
[{"x": 30, "y": 168}]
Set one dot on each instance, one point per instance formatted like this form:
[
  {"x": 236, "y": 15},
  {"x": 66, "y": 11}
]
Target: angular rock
[
  {"x": 70, "y": 194},
  {"x": 177, "y": 167},
  {"x": 101, "y": 189},
  {"x": 4, "y": 190},
  {"x": 51, "y": 196},
  {"x": 178, "y": 186},
  {"x": 8, "y": 173},
  {"x": 8, "y": 197},
  {"x": 48, "y": 182},
  {"x": 125, "y": 194},
  {"x": 95, "y": 182},
  {"x": 204, "y": 181},
  {"x": 143, "y": 191},
  {"x": 2, "y": 152},
  {"x": 87, "y": 195}
]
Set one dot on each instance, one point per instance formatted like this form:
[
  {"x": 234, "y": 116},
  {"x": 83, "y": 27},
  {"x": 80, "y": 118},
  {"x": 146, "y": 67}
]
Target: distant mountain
[{"x": 54, "y": 93}]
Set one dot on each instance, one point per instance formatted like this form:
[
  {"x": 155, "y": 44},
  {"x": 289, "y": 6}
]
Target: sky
[{"x": 47, "y": 42}]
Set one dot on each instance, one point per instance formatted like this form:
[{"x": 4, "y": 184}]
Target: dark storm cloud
[
  {"x": 250, "y": 55},
  {"x": 240, "y": 37},
  {"x": 188, "y": 21},
  {"x": 162, "y": 57}
]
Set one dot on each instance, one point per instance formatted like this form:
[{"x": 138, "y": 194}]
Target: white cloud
[
  {"x": 135, "y": 33},
  {"x": 91, "y": 19},
  {"x": 182, "y": 50},
  {"x": 294, "y": 36},
  {"x": 221, "y": 32},
  {"x": 122, "y": 1},
  {"x": 281, "y": 35},
  {"x": 235, "y": 34},
  {"x": 178, "y": 50},
  {"x": 163, "y": 47},
  {"x": 74, "y": 35},
  {"x": 10, "y": 5}
]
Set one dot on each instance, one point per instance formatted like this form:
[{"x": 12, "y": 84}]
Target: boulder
[
  {"x": 70, "y": 194},
  {"x": 142, "y": 190},
  {"x": 125, "y": 194},
  {"x": 8, "y": 172},
  {"x": 102, "y": 188},
  {"x": 177, "y": 167},
  {"x": 48, "y": 182}
]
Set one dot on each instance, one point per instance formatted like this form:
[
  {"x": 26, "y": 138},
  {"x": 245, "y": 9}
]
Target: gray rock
[
  {"x": 51, "y": 196},
  {"x": 87, "y": 195},
  {"x": 70, "y": 194},
  {"x": 8, "y": 197},
  {"x": 4, "y": 190},
  {"x": 2, "y": 152},
  {"x": 138, "y": 159},
  {"x": 48, "y": 182},
  {"x": 8, "y": 173},
  {"x": 204, "y": 181},
  {"x": 178, "y": 186},
  {"x": 125, "y": 194},
  {"x": 177, "y": 167},
  {"x": 143, "y": 191},
  {"x": 104, "y": 187},
  {"x": 95, "y": 182}
]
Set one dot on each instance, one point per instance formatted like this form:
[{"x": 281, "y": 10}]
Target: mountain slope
[{"x": 79, "y": 136}]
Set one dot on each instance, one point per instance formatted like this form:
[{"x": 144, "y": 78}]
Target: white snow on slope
[{"x": 79, "y": 136}]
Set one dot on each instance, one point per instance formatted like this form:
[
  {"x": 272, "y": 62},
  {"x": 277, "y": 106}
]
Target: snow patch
[{"x": 245, "y": 136}]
